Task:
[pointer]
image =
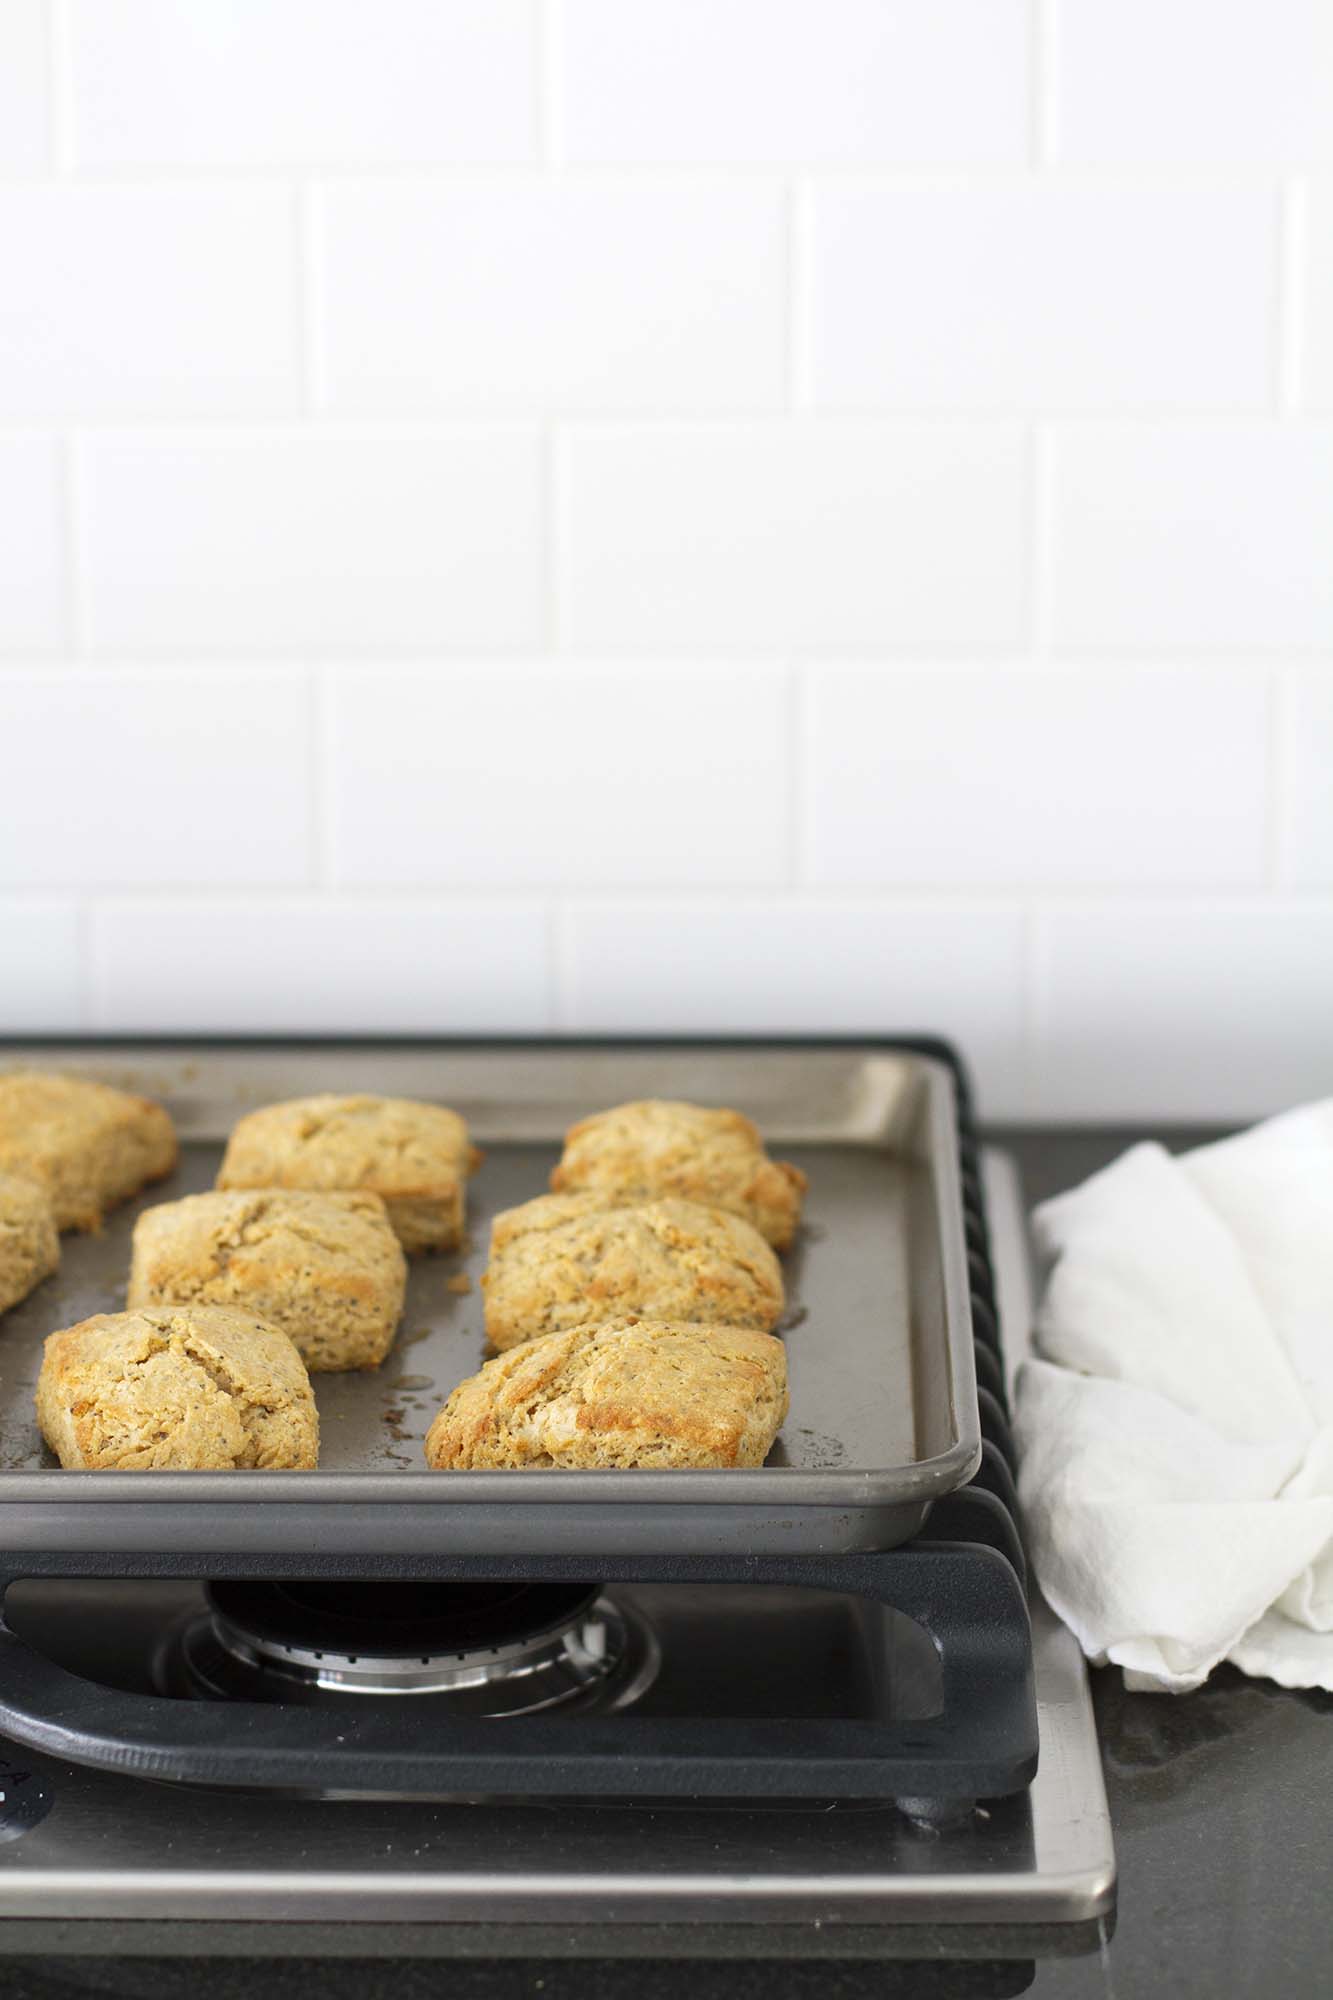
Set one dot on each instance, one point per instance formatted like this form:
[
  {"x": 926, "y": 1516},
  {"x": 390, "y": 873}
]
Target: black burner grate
[
  {"x": 986, "y": 1509},
  {"x": 962, "y": 1579}
]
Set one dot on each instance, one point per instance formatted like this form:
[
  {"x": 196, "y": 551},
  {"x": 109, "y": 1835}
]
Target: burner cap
[
  {"x": 483, "y": 1648},
  {"x": 396, "y": 1621}
]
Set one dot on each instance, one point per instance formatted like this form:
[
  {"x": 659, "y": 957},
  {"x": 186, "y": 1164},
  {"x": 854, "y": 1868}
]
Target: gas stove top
[{"x": 97, "y": 1858}]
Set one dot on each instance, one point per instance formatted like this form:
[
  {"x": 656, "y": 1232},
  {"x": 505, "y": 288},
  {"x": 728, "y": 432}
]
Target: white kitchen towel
[{"x": 1175, "y": 1425}]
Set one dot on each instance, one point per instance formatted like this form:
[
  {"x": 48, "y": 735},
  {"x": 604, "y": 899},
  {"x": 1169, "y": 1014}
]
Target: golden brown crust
[
  {"x": 544, "y": 1213},
  {"x": 88, "y": 1145},
  {"x": 568, "y": 1259},
  {"x": 29, "y": 1241},
  {"x": 416, "y": 1157},
  {"x": 326, "y": 1268},
  {"x": 654, "y": 1146},
  {"x": 189, "y": 1388},
  {"x": 627, "y": 1392}
]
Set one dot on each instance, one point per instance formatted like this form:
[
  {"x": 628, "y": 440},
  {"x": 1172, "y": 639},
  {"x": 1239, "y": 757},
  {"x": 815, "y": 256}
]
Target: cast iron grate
[{"x": 962, "y": 1578}]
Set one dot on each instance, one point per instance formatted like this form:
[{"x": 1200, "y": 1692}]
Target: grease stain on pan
[{"x": 823, "y": 1453}]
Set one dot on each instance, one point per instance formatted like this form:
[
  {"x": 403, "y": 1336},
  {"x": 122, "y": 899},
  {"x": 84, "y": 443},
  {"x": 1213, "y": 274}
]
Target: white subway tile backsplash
[
  {"x": 118, "y": 778},
  {"x": 1191, "y": 534},
  {"x": 808, "y": 536},
  {"x": 195, "y": 292},
  {"x": 291, "y": 966},
  {"x": 25, "y": 87},
  {"x": 805, "y": 968},
  {"x": 802, "y": 80},
  {"x": 1030, "y": 777},
  {"x": 41, "y": 987},
  {"x": 554, "y": 776},
  {"x": 1183, "y": 1011},
  {"x": 1315, "y": 335},
  {"x": 1306, "y": 764},
  {"x": 32, "y": 562},
  {"x": 246, "y": 83},
  {"x": 537, "y": 295},
  {"x": 306, "y": 541},
  {"x": 676, "y": 514},
  {"x": 1065, "y": 297},
  {"x": 1193, "y": 80}
]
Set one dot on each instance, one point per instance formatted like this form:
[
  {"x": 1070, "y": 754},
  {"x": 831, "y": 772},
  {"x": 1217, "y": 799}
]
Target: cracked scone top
[
  {"x": 570, "y": 1259},
  {"x": 88, "y": 1145},
  {"x": 183, "y": 1388},
  {"x": 325, "y": 1268},
  {"x": 415, "y": 1156},
  {"x": 655, "y": 1146},
  {"x": 29, "y": 1241},
  {"x": 627, "y": 1392}
]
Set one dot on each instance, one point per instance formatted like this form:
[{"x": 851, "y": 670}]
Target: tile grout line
[
  {"x": 318, "y": 827},
  {"x": 74, "y": 613},
  {"x": 1290, "y": 288},
  {"x": 800, "y": 303},
  {"x": 1010, "y": 898},
  {"x": 1041, "y": 550},
  {"x": 312, "y": 385},
  {"x": 1275, "y": 776},
  {"x": 548, "y": 86},
  {"x": 313, "y": 357},
  {"x": 872, "y": 175},
  {"x": 560, "y": 960},
  {"x": 85, "y": 957},
  {"x": 843, "y": 421},
  {"x": 61, "y": 128},
  {"x": 264, "y": 427},
  {"x": 245, "y": 657},
  {"x": 1044, "y": 116},
  {"x": 798, "y": 778},
  {"x": 552, "y": 483},
  {"x": 1034, "y": 978}
]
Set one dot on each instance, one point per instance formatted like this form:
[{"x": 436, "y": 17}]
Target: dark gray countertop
[
  {"x": 1222, "y": 1800},
  {"x": 1221, "y": 1805}
]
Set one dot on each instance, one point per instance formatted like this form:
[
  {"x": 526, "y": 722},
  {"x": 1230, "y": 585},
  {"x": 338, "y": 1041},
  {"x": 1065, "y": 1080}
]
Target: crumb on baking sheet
[{"x": 460, "y": 1282}]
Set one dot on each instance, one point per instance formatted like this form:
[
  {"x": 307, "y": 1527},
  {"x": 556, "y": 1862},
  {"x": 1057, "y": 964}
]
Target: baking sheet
[
  {"x": 850, "y": 1268},
  {"x": 879, "y": 1355}
]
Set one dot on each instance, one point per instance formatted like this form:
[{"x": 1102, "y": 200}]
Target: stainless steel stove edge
[
  {"x": 1072, "y": 1881},
  {"x": 183, "y": 1938},
  {"x": 775, "y": 1911}
]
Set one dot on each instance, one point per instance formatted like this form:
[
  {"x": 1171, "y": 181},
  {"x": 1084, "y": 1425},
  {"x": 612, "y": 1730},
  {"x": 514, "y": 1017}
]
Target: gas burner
[{"x": 480, "y": 1649}]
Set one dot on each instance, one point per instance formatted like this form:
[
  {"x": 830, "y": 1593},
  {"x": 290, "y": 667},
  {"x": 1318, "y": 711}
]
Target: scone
[
  {"x": 88, "y": 1145},
  {"x": 626, "y": 1392},
  {"x": 415, "y": 1156},
  {"x": 568, "y": 1260},
  {"x": 183, "y": 1388},
  {"x": 326, "y": 1268},
  {"x": 29, "y": 1243},
  {"x": 638, "y": 1151}
]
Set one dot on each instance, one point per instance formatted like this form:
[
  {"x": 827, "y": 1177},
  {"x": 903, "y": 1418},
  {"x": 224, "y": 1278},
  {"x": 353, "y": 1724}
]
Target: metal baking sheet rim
[{"x": 763, "y": 1511}]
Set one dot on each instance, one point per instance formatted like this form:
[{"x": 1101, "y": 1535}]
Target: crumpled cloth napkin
[{"x": 1175, "y": 1425}]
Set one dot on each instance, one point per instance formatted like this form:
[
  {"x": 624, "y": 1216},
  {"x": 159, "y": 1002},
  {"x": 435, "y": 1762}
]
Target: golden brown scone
[
  {"x": 326, "y": 1268},
  {"x": 29, "y": 1242},
  {"x": 627, "y": 1392},
  {"x": 88, "y": 1145},
  {"x": 416, "y": 1157},
  {"x": 184, "y": 1388},
  {"x": 569, "y": 1260},
  {"x": 636, "y": 1152}
]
